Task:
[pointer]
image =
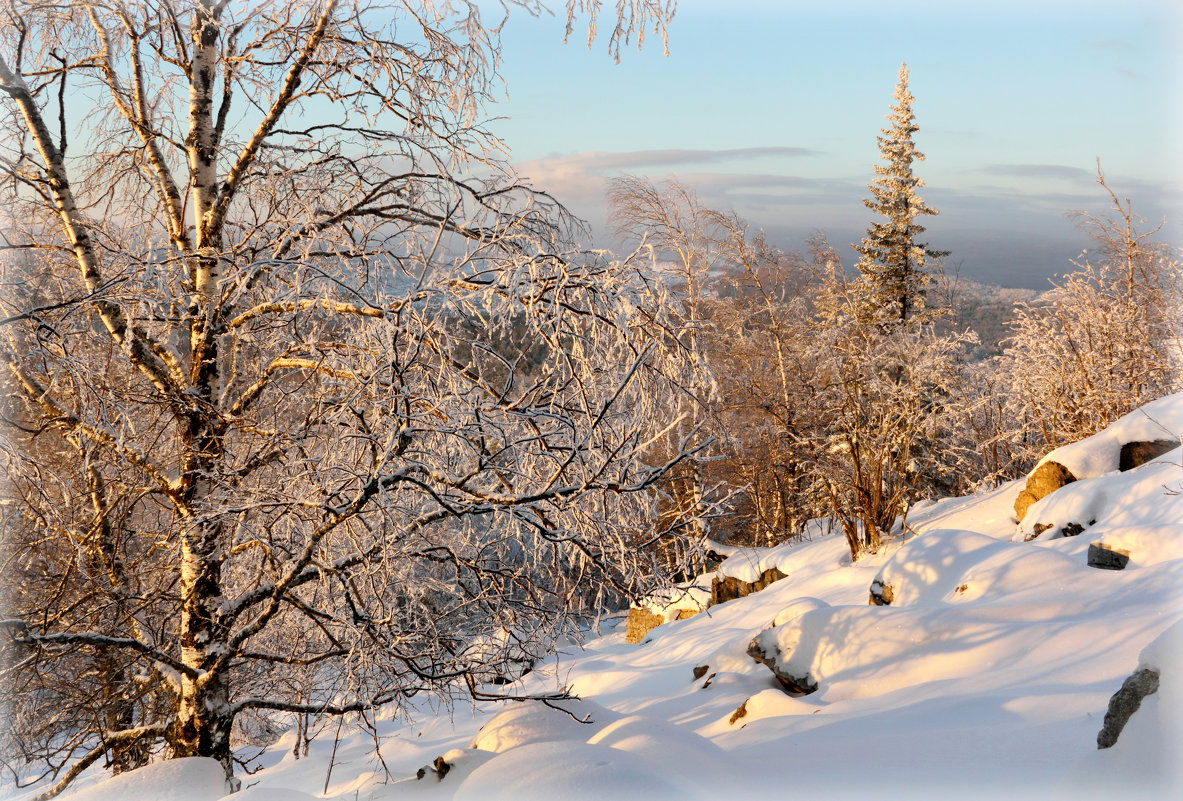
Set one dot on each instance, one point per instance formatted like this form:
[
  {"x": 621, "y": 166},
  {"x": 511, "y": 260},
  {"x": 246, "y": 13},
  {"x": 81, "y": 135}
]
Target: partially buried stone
[
  {"x": 793, "y": 685},
  {"x": 1125, "y": 703},
  {"x": 1043, "y": 481},
  {"x": 881, "y": 594},
  {"x": 1107, "y": 557},
  {"x": 1136, "y": 454}
]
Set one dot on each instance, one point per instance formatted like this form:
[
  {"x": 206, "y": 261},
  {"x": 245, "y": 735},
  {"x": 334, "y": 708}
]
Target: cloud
[
  {"x": 581, "y": 180},
  {"x": 602, "y": 162},
  {"x": 1057, "y": 171},
  {"x": 1004, "y": 230}
]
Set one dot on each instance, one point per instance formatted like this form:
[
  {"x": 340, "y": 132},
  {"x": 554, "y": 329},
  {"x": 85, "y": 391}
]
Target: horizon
[{"x": 1015, "y": 106}]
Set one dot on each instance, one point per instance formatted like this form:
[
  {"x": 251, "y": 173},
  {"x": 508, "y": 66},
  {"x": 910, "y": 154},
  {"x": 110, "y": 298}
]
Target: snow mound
[
  {"x": 193, "y": 779},
  {"x": 690, "y": 596},
  {"x": 1099, "y": 454},
  {"x": 574, "y": 771},
  {"x": 991, "y": 512},
  {"x": 534, "y": 721},
  {"x": 946, "y": 566}
]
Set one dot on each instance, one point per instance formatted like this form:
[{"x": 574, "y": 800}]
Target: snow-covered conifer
[{"x": 891, "y": 260}]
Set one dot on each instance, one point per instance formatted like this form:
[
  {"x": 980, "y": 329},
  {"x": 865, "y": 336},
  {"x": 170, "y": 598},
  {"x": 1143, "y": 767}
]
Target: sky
[{"x": 772, "y": 109}]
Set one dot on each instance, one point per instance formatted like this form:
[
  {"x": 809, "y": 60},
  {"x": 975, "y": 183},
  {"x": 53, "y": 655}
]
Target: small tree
[
  {"x": 878, "y": 406},
  {"x": 891, "y": 260},
  {"x": 742, "y": 308},
  {"x": 682, "y": 235},
  {"x": 1102, "y": 342}
]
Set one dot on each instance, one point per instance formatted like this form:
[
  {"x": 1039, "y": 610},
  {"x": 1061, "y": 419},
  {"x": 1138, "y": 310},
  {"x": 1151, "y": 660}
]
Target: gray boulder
[
  {"x": 1125, "y": 703},
  {"x": 1107, "y": 557}
]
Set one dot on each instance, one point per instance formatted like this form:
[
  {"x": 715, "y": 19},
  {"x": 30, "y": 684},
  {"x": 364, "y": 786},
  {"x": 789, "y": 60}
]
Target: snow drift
[{"x": 988, "y": 672}]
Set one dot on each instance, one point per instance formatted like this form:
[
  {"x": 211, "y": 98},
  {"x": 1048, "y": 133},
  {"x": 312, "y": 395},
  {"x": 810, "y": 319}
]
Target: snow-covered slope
[{"x": 988, "y": 674}]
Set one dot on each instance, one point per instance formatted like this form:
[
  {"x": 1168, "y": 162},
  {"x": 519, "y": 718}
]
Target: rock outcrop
[
  {"x": 728, "y": 588},
  {"x": 640, "y": 622},
  {"x": 1043, "y": 481}
]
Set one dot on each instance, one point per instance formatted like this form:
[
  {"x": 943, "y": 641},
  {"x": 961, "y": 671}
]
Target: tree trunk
[{"x": 203, "y": 719}]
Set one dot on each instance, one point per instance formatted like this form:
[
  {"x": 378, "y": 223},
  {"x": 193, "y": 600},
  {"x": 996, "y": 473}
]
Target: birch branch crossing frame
[{"x": 312, "y": 405}]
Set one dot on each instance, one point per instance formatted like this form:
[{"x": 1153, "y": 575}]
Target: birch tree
[{"x": 305, "y": 390}]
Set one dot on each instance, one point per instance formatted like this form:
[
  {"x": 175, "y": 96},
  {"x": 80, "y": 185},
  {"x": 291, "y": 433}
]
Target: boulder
[
  {"x": 1043, "y": 481},
  {"x": 1108, "y": 557},
  {"x": 1125, "y": 703},
  {"x": 1136, "y": 454},
  {"x": 881, "y": 594},
  {"x": 791, "y": 684},
  {"x": 728, "y": 588},
  {"x": 640, "y": 622}
]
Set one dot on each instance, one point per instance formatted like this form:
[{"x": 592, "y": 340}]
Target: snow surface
[{"x": 988, "y": 676}]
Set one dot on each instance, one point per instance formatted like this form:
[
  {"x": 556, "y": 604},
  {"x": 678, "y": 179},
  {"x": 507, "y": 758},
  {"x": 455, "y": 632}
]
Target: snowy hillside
[{"x": 988, "y": 673}]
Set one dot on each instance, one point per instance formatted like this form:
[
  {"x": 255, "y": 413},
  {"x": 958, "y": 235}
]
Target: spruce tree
[{"x": 891, "y": 260}]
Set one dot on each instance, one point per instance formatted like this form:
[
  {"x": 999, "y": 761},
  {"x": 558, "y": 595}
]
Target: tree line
[{"x": 848, "y": 395}]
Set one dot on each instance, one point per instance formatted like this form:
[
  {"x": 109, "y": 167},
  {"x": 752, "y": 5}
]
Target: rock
[
  {"x": 1067, "y": 530},
  {"x": 640, "y": 623},
  {"x": 1125, "y": 703},
  {"x": 1136, "y": 454},
  {"x": 1022, "y": 503},
  {"x": 1107, "y": 557},
  {"x": 728, "y": 588},
  {"x": 793, "y": 685},
  {"x": 701, "y": 671},
  {"x": 881, "y": 594},
  {"x": 740, "y": 711},
  {"x": 440, "y": 768},
  {"x": 1043, "y": 481}
]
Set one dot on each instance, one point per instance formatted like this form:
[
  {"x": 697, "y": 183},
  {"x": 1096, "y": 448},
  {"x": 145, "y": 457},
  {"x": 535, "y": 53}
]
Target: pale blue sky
[{"x": 772, "y": 108}]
